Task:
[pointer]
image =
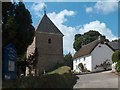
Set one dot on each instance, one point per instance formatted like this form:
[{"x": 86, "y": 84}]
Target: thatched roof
[
  {"x": 114, "y": 45},
  {"x": 87, "y": 49}
]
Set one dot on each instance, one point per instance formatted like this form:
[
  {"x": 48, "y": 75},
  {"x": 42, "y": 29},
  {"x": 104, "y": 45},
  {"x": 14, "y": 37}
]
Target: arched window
[{"x": 49, "y": 41}]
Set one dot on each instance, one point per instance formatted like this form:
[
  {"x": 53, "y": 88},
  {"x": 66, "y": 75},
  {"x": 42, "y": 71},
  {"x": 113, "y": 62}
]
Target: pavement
[{"x": 105, "y": 79}]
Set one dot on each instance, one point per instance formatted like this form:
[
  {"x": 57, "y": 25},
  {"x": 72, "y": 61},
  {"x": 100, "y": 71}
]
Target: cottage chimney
[{"x": 101, "y": 39}]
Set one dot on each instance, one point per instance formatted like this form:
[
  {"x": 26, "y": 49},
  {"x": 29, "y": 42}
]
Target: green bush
[
  {"x": 68, "y": 60},
  {"x": 86, "y": 70},
  {"x": 81, "y": 67},
  {"x": 75, "y": 72},
  {"x": 61, "y": 70},
  {"x": 55, "y": 67},
  {"x": 117, "y": 67},
  {"x": 116, "y": 56},
  {"x": 116, "y": 59},
  {"x": 66, "y": 80},
  {"x": 59, "y": 78},
  {"x": 105, "y": 65}
]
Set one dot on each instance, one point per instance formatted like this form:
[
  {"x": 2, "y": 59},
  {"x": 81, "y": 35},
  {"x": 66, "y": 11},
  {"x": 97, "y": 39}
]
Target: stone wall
[
  {"x": 31, "y": 48},
  {"x": 49, "y": 54}
]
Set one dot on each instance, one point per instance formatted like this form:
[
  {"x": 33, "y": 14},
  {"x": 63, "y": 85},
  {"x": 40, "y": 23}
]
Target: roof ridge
[
  {"x": 91, "y": 43},
  {"x": 86, "y": 49}
]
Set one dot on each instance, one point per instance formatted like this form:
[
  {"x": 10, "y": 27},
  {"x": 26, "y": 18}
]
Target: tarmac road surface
[{"x": 105, "y": 79}]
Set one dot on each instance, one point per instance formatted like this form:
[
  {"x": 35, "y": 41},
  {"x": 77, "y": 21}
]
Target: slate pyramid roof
[{"x": 47, "y": 26}]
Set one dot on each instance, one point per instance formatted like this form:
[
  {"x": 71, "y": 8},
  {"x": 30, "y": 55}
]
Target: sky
[{"x": 77, "y": 18}]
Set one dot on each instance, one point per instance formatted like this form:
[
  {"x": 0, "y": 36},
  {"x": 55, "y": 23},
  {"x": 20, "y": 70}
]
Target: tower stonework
[{"x": 49, "y": 44}]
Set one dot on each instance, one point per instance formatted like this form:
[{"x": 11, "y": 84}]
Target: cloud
[
  {"x": 59, "y": 19},
  {"x": 89, "y": 9},
  {"x": 98, "y": 26},
  {"x": 38, "y": 7},
  {"x": 104, "y": 7},
  {"x": 69, "y": 32}
]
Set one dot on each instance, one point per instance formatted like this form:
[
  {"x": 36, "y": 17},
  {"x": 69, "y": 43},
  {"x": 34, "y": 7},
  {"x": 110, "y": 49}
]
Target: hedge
[
  {"x": 66, "y": 80},
  {"x": 116, "y": 56}
]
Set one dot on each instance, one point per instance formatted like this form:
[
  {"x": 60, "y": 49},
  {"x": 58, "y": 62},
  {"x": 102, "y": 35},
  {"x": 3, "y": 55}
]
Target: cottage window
[
  {"x": 49, "y": 41},
  {"x": 84, "y": 65},
  {"x": 99, "y": 45}
]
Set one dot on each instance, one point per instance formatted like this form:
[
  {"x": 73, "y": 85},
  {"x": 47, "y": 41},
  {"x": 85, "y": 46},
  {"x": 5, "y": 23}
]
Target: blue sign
[{"x": 9, "y": 62}]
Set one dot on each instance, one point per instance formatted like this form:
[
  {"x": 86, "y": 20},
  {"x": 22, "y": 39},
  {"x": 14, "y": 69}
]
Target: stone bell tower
[{"x": 49, "y": 44}]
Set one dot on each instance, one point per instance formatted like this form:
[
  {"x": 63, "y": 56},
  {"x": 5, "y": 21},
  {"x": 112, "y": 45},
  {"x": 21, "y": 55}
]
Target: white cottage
[
  {"x": 92, "y": 54},
  {"x": 116, "y": 46}
]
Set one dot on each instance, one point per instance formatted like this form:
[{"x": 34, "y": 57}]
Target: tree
[
  {"x": 7, "y": 10},
  {"x": 68, "y": 60},
  {"x": 17, "y": 28},
  {"x": 10, "y": 30},
  {"x": 31, "y": 61},
  {"x": 116, "y": 59},
  {"x": 116, "y": 56},
  {"x": 26, "y": 31},
  {"x": 83, "y": 39},
  {"x": 9, "y": 25},
  {"x": 116, "y": 40},
  {"x": 77, "y": 36}
]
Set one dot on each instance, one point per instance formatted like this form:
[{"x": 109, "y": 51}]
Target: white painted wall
[
  {"x": 100, "y": 54},
  {"x": 97, "y": 56},
  {"x": 75, "y": 64},
  {"x": 86, "y": 60},
  {"x": 113, "y": 67}
]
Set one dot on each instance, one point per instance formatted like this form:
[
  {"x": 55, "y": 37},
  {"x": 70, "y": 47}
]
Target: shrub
[
  {"x": 66, "y": 80},
  {"x": 75, "y": 72},
  {"x": 86, "y": 70},
  {"x": 117, "y": 67},
  {"x": 81, "y": 67},
  {"x": 68, "y": 60},
  {"x": 58, "y": 65},
  {"x": 61, "y": 70},
  {"x": 59, "y": 78},
  {"x": 104, "y": 65},
  {"x": 116, "y": 56},
  {"x": 116, "y": 59}
]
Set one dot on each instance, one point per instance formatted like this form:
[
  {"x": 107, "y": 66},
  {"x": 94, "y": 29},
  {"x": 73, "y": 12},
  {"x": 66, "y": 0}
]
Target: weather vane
[{"x": 44, "y": 9}]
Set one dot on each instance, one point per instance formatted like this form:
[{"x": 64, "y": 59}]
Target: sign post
[{"x": 9, "y": 62}]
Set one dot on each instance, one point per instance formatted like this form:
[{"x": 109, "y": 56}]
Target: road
[{"x": 105, "y": 79}]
